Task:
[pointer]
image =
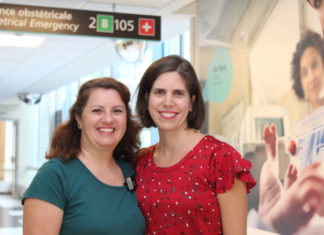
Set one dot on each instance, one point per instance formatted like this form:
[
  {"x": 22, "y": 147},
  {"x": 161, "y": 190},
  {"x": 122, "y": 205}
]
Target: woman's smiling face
[
  {"x": 169, "y": 102},
  {"x": 103, "y": 119},
  {"x": 312, "y": 74}
]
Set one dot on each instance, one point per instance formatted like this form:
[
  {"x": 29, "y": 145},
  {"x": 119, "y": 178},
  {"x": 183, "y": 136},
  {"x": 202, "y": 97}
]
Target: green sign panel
[
  {"x": 21, "y": 18},
  {"x": 105, "y": 23}
]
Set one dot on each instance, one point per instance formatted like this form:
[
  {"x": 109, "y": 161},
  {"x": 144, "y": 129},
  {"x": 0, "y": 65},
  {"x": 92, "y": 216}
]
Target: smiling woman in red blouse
[{"x": 188, "y": 183}]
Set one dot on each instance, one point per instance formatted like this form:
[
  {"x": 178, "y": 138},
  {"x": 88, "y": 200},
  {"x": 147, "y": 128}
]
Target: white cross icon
[{"x": 146, "y": 26}]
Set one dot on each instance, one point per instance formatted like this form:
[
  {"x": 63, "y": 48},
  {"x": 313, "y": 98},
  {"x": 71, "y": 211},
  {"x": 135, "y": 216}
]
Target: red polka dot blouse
[{"x": 182, "y": 199}]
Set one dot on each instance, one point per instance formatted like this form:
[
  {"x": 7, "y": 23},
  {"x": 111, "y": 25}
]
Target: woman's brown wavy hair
[{"x": 66, "y": 140}]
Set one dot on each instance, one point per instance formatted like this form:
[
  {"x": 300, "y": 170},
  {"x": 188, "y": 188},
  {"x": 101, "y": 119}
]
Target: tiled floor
[{"x": 11, "y": 213}]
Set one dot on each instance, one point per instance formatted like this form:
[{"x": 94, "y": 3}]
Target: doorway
[{"x": 8, "y": 154}]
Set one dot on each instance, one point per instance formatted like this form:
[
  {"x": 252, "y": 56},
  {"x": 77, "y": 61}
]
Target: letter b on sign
[{"x": 105, "y": 23}]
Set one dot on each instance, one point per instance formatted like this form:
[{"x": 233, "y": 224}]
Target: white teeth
[
  {"x": 106, "y": 129},
  {"x": 168, "y": 115}
]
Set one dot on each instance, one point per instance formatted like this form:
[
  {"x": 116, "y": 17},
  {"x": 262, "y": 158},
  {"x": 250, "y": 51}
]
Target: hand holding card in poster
[
  {"x": 289, "y": 209},
  {"x": 297, "y": 207},
  {"x": 308, "y": 136}
]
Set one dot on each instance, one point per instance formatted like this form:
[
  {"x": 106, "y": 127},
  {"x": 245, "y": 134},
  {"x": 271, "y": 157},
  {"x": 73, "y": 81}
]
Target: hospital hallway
[{"x": 11, "y": 212}]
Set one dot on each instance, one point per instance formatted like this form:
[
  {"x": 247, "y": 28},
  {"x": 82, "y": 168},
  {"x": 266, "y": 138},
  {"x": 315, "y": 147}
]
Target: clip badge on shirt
[{"x": 130, "y": 182}]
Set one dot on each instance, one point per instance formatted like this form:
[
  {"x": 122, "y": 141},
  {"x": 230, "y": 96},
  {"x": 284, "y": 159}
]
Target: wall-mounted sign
[
  {"x": 219, "y": 77},
  {"x": 34, "y": 19}
]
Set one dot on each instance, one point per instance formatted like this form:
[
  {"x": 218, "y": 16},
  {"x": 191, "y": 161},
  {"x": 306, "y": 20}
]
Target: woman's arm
[
  {"x": 41, "y": 217},
  {"x": 233, "y": 205}
]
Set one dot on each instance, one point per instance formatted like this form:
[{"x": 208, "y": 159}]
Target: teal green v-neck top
[{"x": 90, "y": 206}]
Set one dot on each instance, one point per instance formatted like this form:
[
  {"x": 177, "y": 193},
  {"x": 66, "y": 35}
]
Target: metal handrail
[
  {"x": 33, "y": 168},
  {"x": 6, "y": 169}
]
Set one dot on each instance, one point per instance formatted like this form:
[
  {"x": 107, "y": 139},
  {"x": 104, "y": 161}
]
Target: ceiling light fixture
[
  {"x": 30, "y": 98},
  {"x": 129, "y": 50},
  {"x": 12, "y": 40}
]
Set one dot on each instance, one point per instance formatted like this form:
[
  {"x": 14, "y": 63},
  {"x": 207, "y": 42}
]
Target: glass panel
[
  {"x": 143, "y": 65},
  {"x": 123, "y": 70},
  {"x": 172, "y": 46},
  {"x": 106, "y": 72},
  {"x": 44, "y": 135},
  {"x": 145, "y": 137},
  {"x": 185, "y": 45}
]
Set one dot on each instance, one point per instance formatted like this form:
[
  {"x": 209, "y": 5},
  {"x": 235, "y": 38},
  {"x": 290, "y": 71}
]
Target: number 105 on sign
[{"x": 107, "y": 24}]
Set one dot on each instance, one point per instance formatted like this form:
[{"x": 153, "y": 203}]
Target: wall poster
[{"x": 277, "y": 55}]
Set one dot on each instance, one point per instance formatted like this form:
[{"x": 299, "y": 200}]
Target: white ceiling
[{"x": 62, "y": 59}]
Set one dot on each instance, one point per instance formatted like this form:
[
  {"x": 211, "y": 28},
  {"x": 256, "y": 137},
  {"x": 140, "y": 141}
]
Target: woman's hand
[{"x": 298, "y": 204}]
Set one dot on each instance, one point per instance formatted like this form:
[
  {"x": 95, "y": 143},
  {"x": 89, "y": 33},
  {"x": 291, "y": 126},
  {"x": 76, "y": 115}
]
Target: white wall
[{"x": 272, "y": 53}]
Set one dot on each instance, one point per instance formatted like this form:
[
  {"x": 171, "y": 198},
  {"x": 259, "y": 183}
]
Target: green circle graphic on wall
[{"x": 219, "y": 77}]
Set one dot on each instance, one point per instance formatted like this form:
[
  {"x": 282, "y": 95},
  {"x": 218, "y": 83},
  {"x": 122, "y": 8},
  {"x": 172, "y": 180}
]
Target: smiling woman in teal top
[{"x": 82, "y": 189}]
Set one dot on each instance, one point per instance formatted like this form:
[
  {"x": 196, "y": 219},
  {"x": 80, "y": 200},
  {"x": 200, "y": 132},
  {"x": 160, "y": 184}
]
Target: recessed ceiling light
[
  {"x": 244, "y": 36},
  {"x": 11, "y": 40}
]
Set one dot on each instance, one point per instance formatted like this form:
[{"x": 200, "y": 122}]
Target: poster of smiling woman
[{"x": 261, "y": 65}]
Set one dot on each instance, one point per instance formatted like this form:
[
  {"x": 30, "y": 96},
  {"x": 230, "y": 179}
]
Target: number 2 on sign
[{"x": 92, "y": 25}]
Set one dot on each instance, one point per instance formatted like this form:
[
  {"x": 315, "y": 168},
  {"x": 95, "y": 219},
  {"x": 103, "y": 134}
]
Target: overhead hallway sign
[{"x": 34, "y": 19}]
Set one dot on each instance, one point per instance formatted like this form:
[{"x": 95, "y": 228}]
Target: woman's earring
[{"x": 79, "y": 126}]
